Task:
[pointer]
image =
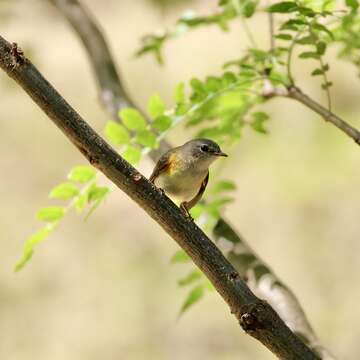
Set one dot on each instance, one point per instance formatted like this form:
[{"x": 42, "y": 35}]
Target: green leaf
[
  {"x": 223, "y": 185},
  {"x": 326, "y": 85},
  {"x": 146, "y": 138},
  {"x": 96, "y": 193},
  {"x": 292, "y": 24},
  {"x": 228, "y": 78},
  {"x": 82, "y": 174},
  {"x": 116, "y": 133},
  {"x": 306, "y": 11},
  {"x": 64, "y": 191},
  {"x": 260, "y": 271},
  {"x": 306, "y": 40},
  {"x": 283, "y": 7},
  {"x": 51, "y": 213},
  {"x": 95, "y": 196},
  {"x": 193, "y": 297},
  {"x": 197, "y": 85},
  {"x": 162, "y": 123},
  {"x": 180, "y": 257},
  {"x": 321, "y": 48},
  {"x": 132, "y": 119},
  {"x": 156, "y": 106},
  {"x": 197, "y": 210},
  {"x": 179, "y": 94},
  {"x": 190, "y": 278},
  {"x": 80, "y": 202},
  {"x": 309, "y": 55},
  {"x": 258, "y": 122},
  {"x": 353, "y": 4},
  {"x": 132, "y": 154},
  {"x": 323, "y": 28},
  {"x": 283, "y": 37},
  {"x": 248, "y": 8},
  {"x": 30, "y": 243},
  {"x": 317, "y": 72},
  {"x": 213, "y": 84},
  {"x": 215, "y": 207}
]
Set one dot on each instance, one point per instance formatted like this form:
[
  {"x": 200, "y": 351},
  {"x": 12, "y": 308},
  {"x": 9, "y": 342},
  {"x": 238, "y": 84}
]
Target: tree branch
[
  {"x": 256, "y": 317},
  {"x": 293, "y": 92},
  {"x": 296, "y": 94},
  {"x": 110, "y": 88},
  {"x": 266, "y": 285},
  {"x": 278, "y": 295}
]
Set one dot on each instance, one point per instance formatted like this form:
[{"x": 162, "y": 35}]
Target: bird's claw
[{"x": 185, "y": 211}]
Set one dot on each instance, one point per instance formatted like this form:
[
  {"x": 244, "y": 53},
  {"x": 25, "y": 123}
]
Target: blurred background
[{"x": 104, "y": 289}]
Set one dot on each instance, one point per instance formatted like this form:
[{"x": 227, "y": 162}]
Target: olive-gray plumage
[{"x": 183, "y": 172}]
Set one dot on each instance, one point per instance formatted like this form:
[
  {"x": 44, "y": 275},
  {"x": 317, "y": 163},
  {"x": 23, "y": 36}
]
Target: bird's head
[{"x": 202, "y": 151}]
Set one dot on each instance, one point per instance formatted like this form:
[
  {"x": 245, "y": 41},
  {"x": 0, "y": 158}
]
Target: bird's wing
[
  {"x": 198, "y": 196},
  {"x": 161, "y": 166}
]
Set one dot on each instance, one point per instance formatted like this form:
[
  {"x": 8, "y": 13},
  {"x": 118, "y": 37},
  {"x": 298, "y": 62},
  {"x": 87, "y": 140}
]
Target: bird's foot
[{"x": 185, "y": 211}]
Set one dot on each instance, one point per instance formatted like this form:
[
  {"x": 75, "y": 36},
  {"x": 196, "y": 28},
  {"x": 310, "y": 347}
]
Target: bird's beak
[{"x": 220, "y": 153}]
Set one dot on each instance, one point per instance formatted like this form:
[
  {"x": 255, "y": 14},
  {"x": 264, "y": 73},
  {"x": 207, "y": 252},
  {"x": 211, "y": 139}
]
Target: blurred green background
[{"x": 104, "y": 289}]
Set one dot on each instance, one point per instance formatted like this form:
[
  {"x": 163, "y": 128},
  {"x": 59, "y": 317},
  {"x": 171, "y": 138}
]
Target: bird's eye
[{"x": 204, "y": 148}]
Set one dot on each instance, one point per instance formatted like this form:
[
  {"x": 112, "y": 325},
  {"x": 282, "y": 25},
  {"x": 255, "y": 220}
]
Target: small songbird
[{"x": 183, "y": 172}]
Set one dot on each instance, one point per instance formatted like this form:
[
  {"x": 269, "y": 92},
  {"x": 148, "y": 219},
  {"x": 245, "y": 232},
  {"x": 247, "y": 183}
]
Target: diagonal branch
[
  {"x": 256, "y": 317},
  {"x": 279, "y": 295},
  {"x": 296, "y": 94},
  {"x": 110, "y": 88}
]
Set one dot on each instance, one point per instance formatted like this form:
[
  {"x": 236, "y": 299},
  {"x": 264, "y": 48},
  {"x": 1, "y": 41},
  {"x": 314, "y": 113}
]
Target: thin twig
[
  {"x": 289, "y": 57},
  {"x": 326, "y": 83},
  {"x": 248, "y": 33},
  {"x": 295, "y": 93},
  {"x": 271, "y": 29}
]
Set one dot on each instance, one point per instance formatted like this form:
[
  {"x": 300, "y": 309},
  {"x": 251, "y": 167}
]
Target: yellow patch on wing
[{"x": 173, "y": 160}]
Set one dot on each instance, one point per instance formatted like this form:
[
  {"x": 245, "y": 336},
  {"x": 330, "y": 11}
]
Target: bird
[{"x": 183, "y": 172}]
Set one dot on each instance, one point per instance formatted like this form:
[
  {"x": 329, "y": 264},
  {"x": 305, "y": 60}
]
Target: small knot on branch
[
  {"x": 269, "y": 90},
  {"x": 17, "y": 56},
  {"x": 94, "y": 160},
  {"x": 250, "y": 319},
  {"x": 357, "y": 140},
  {"x": 233, "y": 276}
]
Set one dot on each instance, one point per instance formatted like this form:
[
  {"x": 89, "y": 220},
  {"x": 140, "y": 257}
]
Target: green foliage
[
  {"x": 223, "y": 185},
  {"x": 82, "y": 174},
  {"x": 95, "y": 196},
  {"x": 51, "y": 213},
  {"x": 132, "y": 119},
  {"x": 30, "y": 244},
  {"x": 162, "y": 123},
  {"x": 193, "y": 297},
  {"x": 88, "y": 195},
  {"x": 64, "y": 191},
  {"x": 116, "y": 133},
  {"x": 146, "y": 138},
  {"x": 228, "y": 10},
  {"x": 180, "y": 257},
  {"x": 132, "y": 154},
  {"x": 283, "y": 7},
  {"x": 258, "y": 121},
  {"x": 190, "y": 278},
  {"x": 156, "y": 106}
]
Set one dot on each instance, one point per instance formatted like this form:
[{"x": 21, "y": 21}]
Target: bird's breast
[{"x": 181, "y": 183}]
